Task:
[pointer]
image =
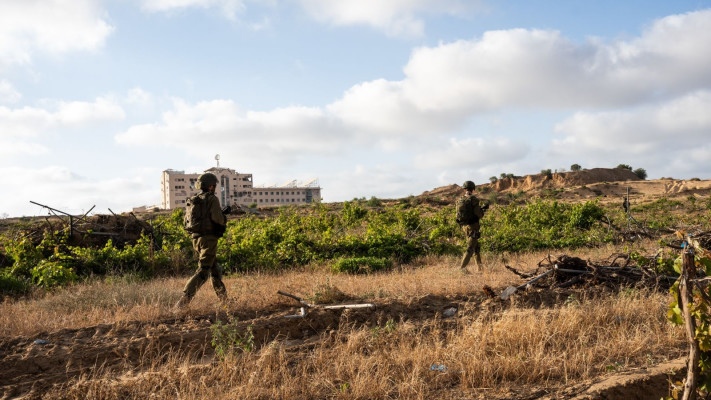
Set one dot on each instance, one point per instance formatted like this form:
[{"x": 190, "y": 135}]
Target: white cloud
[
  {"x": 450, "y": 83},
  {"x": 472, "y": 153},
  {"x": 140, "y": 97},
  {"x": 387, "y": 180},
  {"x": 49, "y": 26},
  {"x": 32, "y": 121},
  {"x": 8, "y": 94},
  {"x": 229, "y": 8},
  {"x": 61, "y": 188},
  {"x": 669, "y": 134},
  {"x": 203, "y": 129},
  {"x": 15, "y": 148},
  {"x": 673, "y": 124},
  {"x": 394, "y": 17}
]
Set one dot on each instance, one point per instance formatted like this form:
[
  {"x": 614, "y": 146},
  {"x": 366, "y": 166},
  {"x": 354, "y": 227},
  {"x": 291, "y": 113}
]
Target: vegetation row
[{"x": 353, "y": 237}]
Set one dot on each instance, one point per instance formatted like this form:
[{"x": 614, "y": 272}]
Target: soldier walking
[
  {"x": 469, "y": 212},
  {"x": 206, "y": 221}
]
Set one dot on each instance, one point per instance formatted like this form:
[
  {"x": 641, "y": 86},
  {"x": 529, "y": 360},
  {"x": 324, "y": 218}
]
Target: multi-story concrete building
[{"x": 234, "y": 188}]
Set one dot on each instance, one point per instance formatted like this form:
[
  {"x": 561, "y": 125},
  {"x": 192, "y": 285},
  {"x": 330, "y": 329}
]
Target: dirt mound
[
  {"x": 445, "y": 193},
  {"x": 561, "y": 180},
  {"x": 538, "y": 182}
]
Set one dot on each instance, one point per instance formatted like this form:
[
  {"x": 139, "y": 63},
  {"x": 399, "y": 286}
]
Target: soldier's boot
[
  {"x": 183, "y": 302},
  {"x": 477, "y": 262},
  {"x": 221, "y": 293}
]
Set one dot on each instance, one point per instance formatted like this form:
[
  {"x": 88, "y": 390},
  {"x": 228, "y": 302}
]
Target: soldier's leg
[
  {"x": 217, "y": 284},
  {"x": 201, "y": 274},
  {"x": 477, "y": 252},
  {"x": 470, "y": 247}
]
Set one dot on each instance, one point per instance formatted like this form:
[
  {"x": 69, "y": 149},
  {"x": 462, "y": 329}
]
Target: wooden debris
[
  {"x": 566, "y": 271},
  {"x": 303, "y": 310},
  {"x": 87, "y": 230}
]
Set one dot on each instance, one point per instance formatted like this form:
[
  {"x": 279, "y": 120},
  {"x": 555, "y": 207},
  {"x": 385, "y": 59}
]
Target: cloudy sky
[{"x": 382, "y": 98}]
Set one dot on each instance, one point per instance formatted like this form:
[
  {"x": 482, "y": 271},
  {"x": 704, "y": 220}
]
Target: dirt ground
[
  {"x": 608, "y": 184},
  {"x": 29, "y": 366}
]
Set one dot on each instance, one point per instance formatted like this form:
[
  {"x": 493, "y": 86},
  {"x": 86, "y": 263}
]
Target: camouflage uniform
[
  {"x": 471, "y": 231},
  {"x": 205, "y": 247}
]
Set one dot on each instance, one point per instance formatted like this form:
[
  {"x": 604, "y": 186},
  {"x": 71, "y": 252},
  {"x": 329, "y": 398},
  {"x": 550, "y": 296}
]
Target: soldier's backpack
[
  {"x": 197, "y": 216},
  {"x": 468, "y": 210}
]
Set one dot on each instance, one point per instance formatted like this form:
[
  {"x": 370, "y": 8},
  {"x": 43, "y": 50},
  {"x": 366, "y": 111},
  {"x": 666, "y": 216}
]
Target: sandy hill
[{"x": 609, "y": 184}]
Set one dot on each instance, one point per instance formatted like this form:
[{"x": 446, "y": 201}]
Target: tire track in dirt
[{"x": 29, "y": 367}]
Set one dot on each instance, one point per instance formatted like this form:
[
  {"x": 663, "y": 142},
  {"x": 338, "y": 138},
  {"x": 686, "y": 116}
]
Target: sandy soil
[{"x": 608, "y": 184}]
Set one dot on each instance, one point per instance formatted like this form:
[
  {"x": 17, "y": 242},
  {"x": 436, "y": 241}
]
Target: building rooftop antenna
[{"x": 217, "y": 158}]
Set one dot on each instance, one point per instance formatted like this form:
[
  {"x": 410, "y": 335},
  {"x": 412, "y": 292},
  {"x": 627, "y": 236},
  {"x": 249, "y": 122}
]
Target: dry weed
[{"x": 518, "y": 348}]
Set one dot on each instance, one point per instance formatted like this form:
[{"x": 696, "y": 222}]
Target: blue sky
[{"x": 375, "y": 98}]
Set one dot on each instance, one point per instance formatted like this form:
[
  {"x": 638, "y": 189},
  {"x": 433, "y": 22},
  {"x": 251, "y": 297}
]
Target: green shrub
[
  {"x": 52, "y": 273},
  {"x": 228, "y": 340},
  {"x": 641, "y": 173},
  {"x": 13, "y": 285},
  {"x": 359, "y": 265},
  {"x": 374, "y": 202},
  {"x": 575, "y": 167},
  {"x": 541, "y": 224}
]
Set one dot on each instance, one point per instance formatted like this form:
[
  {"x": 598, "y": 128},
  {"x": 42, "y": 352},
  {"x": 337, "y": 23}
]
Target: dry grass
[
  {"x": 488, "y": 351},
  {"x": 519, "y": 348}
]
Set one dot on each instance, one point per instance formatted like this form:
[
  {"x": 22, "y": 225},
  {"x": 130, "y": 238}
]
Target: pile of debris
[
  {"x": 566, "y": 271},
  {"x": 95, "y": 230}
]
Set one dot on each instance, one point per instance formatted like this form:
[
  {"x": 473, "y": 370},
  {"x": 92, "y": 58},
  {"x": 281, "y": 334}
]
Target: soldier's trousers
[
  {"x": 206, "y": 249},
  {"x": 473, "y": 248}
]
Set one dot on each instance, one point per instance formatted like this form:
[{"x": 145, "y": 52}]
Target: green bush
[
  {"x": 13, "y": 285},
  {"x": 641, "y": 173},
  {"x": 228, "y": 340},
  {"x": 359, "y": 265},
  {"x": 542, "y": 224},
  {"x": 374, "y": 202},
  {"x": 354, "y": 238},
  {"x": 51, "y": 273}
]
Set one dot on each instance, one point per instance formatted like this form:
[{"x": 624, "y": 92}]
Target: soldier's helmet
[
  {"x": 469, "y": 185},
  {"x": 206, "y": 180}
]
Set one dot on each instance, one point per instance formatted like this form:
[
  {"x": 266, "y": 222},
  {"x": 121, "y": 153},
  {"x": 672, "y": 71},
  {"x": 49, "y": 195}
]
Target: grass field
[{"x": 118, "y": 338}]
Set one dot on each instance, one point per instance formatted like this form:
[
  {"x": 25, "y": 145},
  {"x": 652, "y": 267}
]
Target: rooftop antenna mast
[{"x": 217, "y": 158}]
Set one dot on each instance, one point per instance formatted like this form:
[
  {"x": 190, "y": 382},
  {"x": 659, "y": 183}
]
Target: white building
[{"x": 234, "y": 188}]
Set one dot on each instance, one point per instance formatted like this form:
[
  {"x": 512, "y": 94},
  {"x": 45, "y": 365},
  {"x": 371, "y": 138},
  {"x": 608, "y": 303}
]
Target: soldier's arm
[
  {"x": 216, "y": 214},
  {"x": 478, "y": 209}
]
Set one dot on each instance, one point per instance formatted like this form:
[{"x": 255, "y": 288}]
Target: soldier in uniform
[
  {"x": 205, "y": 245},
  {"x": 469, "y": 212}
]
